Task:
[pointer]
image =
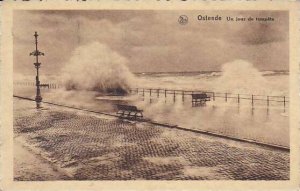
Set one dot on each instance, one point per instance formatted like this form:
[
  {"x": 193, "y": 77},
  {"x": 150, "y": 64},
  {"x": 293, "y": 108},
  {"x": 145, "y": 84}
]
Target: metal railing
[
  {"x": 253, "y": 98},
  {"x": 160, "y": 92},
  {"x": 51, "y": 85}
]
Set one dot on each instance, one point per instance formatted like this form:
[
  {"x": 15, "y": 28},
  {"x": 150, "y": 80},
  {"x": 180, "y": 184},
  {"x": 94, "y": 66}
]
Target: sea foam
[{"x": 97, "y": 67}]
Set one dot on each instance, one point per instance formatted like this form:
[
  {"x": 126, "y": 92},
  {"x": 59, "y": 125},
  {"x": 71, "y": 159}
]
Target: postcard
[{"x": 149, "y": 95}]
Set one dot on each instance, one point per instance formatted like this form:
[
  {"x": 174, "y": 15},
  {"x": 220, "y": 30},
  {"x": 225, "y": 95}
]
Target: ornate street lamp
[{"x": 37, "y": 64}]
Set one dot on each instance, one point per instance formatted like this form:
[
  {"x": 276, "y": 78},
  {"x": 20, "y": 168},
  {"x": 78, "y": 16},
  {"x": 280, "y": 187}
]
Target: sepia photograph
[{"x": 150, "y": 95}]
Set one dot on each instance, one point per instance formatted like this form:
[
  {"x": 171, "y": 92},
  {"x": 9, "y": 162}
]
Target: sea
[{"x": 249, "y": 119}]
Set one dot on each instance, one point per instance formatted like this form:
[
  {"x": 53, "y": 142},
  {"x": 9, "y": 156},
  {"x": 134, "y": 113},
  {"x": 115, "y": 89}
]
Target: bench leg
[{"x": 139, "y": 114}]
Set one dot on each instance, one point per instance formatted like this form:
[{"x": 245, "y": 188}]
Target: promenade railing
[{"x": 184, "y": 94}]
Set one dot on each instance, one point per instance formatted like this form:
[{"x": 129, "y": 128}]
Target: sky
[{"x": 153, "y": 41}]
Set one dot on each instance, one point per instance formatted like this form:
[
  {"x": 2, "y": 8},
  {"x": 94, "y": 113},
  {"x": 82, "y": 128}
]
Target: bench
[
  {"x": 128, "y": 111},
  {"x": 200, "y": 99}
]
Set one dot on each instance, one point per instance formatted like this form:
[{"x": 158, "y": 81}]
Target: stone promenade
[{"x": 76, "y": 145}]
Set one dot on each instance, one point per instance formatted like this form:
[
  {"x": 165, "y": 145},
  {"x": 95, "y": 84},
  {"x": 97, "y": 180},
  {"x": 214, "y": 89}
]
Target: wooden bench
[
  {"x": 200, "y": 99},
  {"x": 129, "y": 111}
]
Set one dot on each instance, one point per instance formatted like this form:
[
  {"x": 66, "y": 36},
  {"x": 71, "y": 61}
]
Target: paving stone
[{"x": 100, "y": 148}]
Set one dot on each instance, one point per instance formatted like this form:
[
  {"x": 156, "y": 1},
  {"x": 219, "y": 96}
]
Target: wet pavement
[{"x": 82, "y": 146}]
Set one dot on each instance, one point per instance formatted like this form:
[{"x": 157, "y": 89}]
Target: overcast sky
[{"x": 153, "y": 40}]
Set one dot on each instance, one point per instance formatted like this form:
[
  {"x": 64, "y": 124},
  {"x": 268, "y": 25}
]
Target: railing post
[
  {"x": 174, "y": 96},
  {"x": 157, "y": 92},
  {"x": 214, "y": 96},
  {"x": 268, "y": 101},
  {"x": 284, "y": 101},
  {"x": 165, "y": 96},
  {"x": 150, "y": 92},
  {"x": 225, "y": 97},
  {"x": 252, "y": 101},
  {"x": 238, "y": 98},
  {"x": 143, "y": 92}
]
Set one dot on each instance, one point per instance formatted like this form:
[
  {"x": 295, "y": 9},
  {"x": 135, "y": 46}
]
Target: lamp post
[{"x": 37, "y": 64}]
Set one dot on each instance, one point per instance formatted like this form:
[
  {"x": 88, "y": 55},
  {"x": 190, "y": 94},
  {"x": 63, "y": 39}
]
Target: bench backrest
[
  {"x": 200, "y": 96},
  {"x": 127, "y": 107}
]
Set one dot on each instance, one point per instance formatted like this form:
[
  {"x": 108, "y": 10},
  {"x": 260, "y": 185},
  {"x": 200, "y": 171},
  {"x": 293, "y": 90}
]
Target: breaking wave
[
  {"x": 96, "y": 67},
  {"x": 241, "y": 76}
]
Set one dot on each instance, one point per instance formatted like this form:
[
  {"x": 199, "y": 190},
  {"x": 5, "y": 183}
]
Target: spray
[{"x": 96, "y": 67}]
